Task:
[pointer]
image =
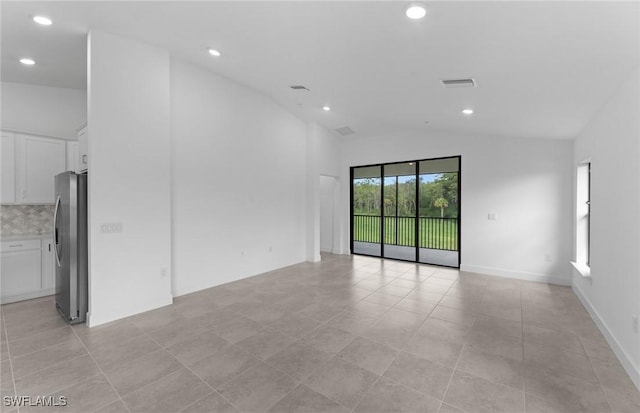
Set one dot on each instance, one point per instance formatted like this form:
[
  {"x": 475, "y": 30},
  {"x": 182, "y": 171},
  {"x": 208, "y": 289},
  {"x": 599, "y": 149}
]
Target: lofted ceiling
[{"x": 543, "y": 69}]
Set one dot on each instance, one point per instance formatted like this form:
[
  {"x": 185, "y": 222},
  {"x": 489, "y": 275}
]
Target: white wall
[
  {"x": 313, "y": 192},
  {"x": 612, "y": 141},
  {"x": 239, "y": 181},
  {"x": 328, "y": 152},
  {"x": 41, "y": 110},
  {"x": 129, "y": 177},
  {"x": 327, "y": 212},
  {"x": 526, "y": 182}
]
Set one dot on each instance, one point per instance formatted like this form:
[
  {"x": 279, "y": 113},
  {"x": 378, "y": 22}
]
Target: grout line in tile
[
  {"x": 13, "y": 378},
  {"x": 101, "y": 370},
  {"x": 455, "y": 366},
  {"x": 43, "y": 332},
  {"x": 54, "y": 365},
  {"x": 600, "y": 383},
  {"x": 201, "y": 398},
  {"x": 194, "y": 373}
]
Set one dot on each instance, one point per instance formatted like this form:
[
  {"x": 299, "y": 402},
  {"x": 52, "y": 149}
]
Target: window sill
[{"x": 583, "y": 269}]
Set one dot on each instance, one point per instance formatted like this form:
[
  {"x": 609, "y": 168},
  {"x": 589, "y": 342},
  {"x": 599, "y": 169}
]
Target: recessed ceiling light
[
  {"x": 467, "y": 111},
  {"x": 214, "y": 52},
  {"x": 416, "y": 11},
  {"x": 326, "y": 108},
  {"x": 43, "y": 20},
  {"x": 27, "y": 61}
]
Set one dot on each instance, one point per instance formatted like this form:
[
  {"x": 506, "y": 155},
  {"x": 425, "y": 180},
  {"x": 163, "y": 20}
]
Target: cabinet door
[
  {"x": 73, "y": 156},
  {"x": 39, "y": 161},
  {"x": 48, "y": 265},
  {"x": 8, "y": 169},
  {"x": 83, "y": 149},
  {"x": 21, "y": 273}
]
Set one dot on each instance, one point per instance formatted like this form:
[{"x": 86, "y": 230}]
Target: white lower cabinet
[{"x": 26, "y": 270}]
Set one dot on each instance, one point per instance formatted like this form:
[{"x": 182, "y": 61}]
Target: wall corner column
[{"x": 313, "y": 194}]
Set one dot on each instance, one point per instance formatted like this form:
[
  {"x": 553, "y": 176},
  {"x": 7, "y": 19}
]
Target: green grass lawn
[{"x": 433, "y": 232}]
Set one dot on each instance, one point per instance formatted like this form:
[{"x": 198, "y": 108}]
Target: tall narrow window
[{"x": 583, "y": 218}]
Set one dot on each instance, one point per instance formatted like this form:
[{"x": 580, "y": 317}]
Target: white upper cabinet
[
  {"x": 8, "y": 169},
  {"x": 38, "y": 161},
  {"x": 83, "y": 149},
  {"x": 73, "y": 156}
]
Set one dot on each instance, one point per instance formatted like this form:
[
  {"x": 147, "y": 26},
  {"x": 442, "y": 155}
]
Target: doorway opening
[{"x": 407, "y": 211}]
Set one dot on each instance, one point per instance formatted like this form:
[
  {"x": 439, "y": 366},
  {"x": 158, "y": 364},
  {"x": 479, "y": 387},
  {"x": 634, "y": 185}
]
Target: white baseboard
[
  {"x": 631, "y": 369},
  {"x": 27, "y": 296},
  {"x": 93, "y": 320},
  {"x": 520, "y": 275}
]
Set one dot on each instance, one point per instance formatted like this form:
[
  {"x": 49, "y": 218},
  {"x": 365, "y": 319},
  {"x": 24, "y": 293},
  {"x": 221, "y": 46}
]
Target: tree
[
  {"x": 388, "y": 207},
  {"x": 442, "y": 204}
]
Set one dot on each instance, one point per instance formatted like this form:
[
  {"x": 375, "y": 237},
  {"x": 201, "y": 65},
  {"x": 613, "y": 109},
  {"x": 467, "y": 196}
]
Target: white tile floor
[{"x": 348, "y": 334}]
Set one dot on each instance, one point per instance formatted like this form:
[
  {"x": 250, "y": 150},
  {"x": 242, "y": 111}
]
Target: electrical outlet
[
  {"x": 492, "y": 216},
  {"x": 547, "y": 257},
  {"x": 164, "y": 273},
  {"x": 635, "y": 324}
]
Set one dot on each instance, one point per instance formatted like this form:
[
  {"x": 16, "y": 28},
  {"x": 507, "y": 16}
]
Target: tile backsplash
[{"x": 26, "y": 219}]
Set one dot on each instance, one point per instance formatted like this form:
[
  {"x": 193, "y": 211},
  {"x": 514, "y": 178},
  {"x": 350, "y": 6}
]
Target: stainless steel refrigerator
[{"x": 70, "y": 240}]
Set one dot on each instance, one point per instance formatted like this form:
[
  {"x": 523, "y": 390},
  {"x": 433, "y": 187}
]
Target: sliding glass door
[
  {"x": 366, "y": 210},
  {"x": 408, "y": 211},
  {"x": 439, "y": 206},
  {"x": 400, "y": 211}
]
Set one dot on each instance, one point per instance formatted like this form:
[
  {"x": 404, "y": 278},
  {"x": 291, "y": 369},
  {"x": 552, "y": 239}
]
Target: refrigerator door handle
[{"x": 56, "y": 240}]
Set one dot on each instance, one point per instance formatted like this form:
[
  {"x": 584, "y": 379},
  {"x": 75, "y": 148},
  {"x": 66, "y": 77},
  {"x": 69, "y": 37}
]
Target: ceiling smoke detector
[
  {"x": 450, "y": 83},
  {"x": 345, "y": 130},
  {"x": 300, "y": 87}
]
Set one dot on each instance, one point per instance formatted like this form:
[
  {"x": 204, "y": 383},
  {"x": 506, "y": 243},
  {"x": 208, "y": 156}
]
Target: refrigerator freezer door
[
  {"x": 70, "y": 244},
  {"x": 61, "y": 241}
]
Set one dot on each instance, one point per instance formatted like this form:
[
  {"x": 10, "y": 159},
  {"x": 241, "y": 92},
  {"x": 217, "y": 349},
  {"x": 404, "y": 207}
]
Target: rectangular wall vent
[
  {"x": 300, "y": 87},
  {"x": 345, "y": 130},
  {"x": 458, "y": 82}
]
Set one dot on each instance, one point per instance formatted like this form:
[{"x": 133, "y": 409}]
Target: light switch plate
[{"x": 111, "y": 228}]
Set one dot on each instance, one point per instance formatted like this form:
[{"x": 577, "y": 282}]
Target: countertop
[{"x": 18, "y": 237}]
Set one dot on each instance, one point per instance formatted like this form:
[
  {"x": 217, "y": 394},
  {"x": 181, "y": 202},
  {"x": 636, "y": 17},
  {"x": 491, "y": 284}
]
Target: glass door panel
[
  {"x": 366, "y": 210},
  {"x": 439, "y": 212},
  {"x": 400, "y": 211}
]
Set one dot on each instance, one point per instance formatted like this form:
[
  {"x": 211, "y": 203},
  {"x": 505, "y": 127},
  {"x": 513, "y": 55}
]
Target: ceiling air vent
[
  {"x": 345, "y": 130},
  {"x": 458, "y": 83},
  {"x": 300, "y": 87}
]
